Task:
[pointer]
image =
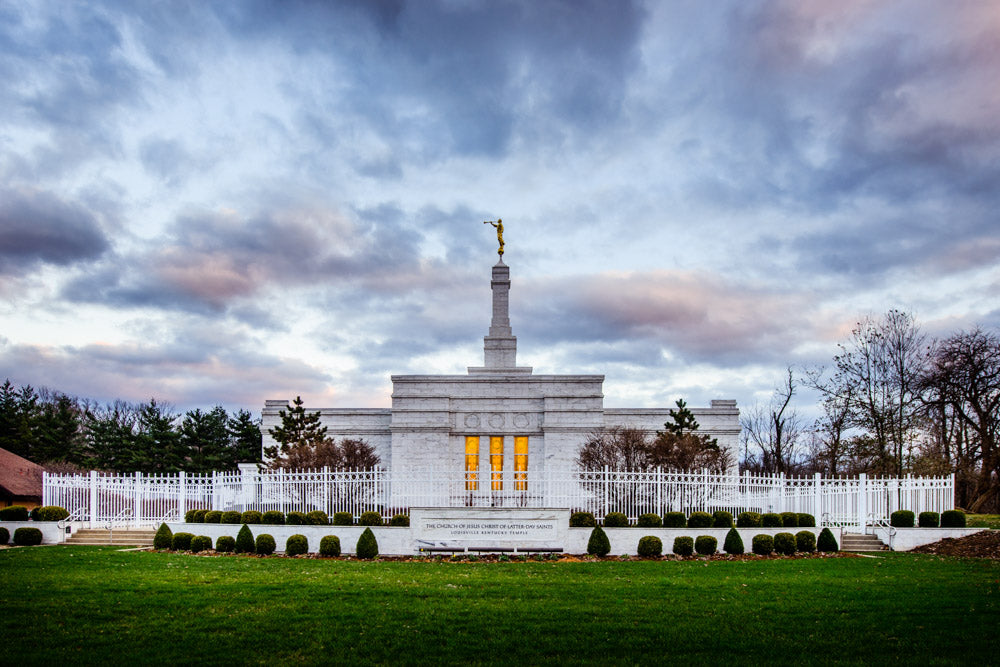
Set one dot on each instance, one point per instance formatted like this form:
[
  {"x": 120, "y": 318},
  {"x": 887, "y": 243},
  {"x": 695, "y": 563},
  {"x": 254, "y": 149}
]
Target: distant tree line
[
  {"x": 66, "y": 434},
  {"x": 894, "y": 402}
]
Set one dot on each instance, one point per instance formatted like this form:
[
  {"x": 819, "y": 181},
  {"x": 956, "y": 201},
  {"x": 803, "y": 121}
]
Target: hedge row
[
  {"x": 718, "y": 519},
  {"x": 651, "y": 546},
  {"x": 276, "y": 518},
  {"x": 43, "y": 513},
  {"x": 244, "y": 542},
  {"x": 947, "y": 519}
]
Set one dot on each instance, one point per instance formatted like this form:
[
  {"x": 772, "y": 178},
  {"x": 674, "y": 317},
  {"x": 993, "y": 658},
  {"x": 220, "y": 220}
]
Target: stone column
[{"x": 500, "y": 345}]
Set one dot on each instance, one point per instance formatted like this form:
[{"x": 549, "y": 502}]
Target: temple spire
[{"x": 500, "y": 345}]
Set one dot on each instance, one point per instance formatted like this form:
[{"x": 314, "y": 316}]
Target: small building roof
[{"x": 19, "y": 477}]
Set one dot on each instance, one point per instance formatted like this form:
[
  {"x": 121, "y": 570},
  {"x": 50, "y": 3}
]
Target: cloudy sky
[{"x": 225, "y": 202}]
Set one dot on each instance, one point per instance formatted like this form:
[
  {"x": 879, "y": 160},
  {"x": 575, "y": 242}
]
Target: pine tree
[
  {"x": 298, "y": 427},
  {"x": 157, "y": 442},
  {"x": 244, "y": 438},
  {"x": 204, "y": 439}
]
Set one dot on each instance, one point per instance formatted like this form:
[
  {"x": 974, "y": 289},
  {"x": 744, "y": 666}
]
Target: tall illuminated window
[
  {"x": 521, "y": 463},
  {"x": 472, "y": 463},
  {"x": 496, "y": 462}
]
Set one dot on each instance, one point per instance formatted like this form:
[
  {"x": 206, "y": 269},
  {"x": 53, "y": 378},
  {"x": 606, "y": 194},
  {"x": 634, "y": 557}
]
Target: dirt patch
[{"x": 985, "y": 544}]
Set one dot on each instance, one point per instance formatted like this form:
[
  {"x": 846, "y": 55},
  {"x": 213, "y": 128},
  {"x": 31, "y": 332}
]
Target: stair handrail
[
  {"x": 169, "y": 515},
  {"x": 875, "y": 522},
  {"x": 121, "y": 517},
  {"x": 76, "y": 515}
]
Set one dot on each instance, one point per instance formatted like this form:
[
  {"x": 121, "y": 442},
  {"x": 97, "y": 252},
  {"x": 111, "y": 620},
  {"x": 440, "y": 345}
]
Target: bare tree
[
  {"x": 616, "y": 448},
  {"x": 773, "y": 431}
]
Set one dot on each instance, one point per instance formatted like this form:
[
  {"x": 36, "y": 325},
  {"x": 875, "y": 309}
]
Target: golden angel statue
[{"x": 499, "y": 225}]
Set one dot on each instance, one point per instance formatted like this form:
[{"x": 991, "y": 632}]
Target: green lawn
[
  {"x": 983, "y": 521},
  {"x": 71, "y": 605}
]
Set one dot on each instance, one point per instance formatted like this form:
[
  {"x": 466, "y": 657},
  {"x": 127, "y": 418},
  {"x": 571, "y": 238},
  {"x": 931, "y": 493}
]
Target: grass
[
  {"x": 84, "y": 605},
  {"x": 983, "y": 521}
]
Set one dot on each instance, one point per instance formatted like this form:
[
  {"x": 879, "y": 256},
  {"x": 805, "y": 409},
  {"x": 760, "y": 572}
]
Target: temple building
[{"x": 499, "y": 417}]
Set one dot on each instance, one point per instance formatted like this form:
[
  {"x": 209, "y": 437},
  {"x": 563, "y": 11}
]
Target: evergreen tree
[
  {"x": 204, "y": 440},
  {"x": 59, "y": 431},
  {"x": 157, "y": 443},
  {"x": 298, "y": 427},
  {"x": 110, "y": 436},
  {"x": 244, "y": 438}
]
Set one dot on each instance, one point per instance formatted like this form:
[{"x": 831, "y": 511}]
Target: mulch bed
[{"x": 985, "y": 544}]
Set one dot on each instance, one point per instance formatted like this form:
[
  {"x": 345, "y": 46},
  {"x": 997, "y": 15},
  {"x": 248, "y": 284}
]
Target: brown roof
[{"x": 19, "y": 476}]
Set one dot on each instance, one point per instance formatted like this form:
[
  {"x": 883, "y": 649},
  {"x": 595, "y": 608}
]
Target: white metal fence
[{"x": 140, "y": 499}]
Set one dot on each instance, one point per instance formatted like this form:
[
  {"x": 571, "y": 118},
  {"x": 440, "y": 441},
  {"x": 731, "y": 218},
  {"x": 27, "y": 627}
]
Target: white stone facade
[{"x": 432, "y": 415}]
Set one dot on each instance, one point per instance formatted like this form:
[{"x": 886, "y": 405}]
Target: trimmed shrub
[
  {"x": 27, "y": 537},
  {"x": 953, "y": 519},
  {"x": 598, "y": 544},
  {"x": 181, "y": 541},
  {"x": 806, "y": 520},
  {"x": 649, "y": 520},
  {"x": 901, "y": 519},
  {"x": 199, "y": 516},
  {"x": 650, "y": 546},
  {"x": 244, "y": 541},
  {"x": 231, "y": 518},
  {"x": 675, "y": 520},
  {"x": 189, "y": 516},
  {"x": 296, "y": 545},
  {"x": 771, "y": 520},
  {"x": 343, "y": 519},
  {"x": 582, "y": 520},
  {"x": 33, "y": 514},
  {"x": 296, "y": 519},
  {"x": 748, "y": 520},
  {"x": 805, "y": 541},
  {"x": 201, "y": 543},
  {"x": 50, "y": 513},
  {"x": 784, "y": 543},
  {"x": 251, "y": 517},
  {"x": 370, "y": 519},
  {"x": 399, "y": 520},
  {"x": 14, "y": 513},
  {"x": 164, "y": 537},
  {"x": 683, "y": 546},
  {"x": 734, "y": 543},
  {"x": 213, "y": 516},
  {"x": 272, "y": 518},
  {"x": 367, "y": 547},
  {"x": 329, "y": 545},
  {"x": 4, "y": 536},
  {"x": 789, "y": 520},
  {"x": 265, "y": 545},
  {"x": 929, "y": 520},
  {"x": 826, "y": 542},
  {"x": 763, "y": 545},
  {"x": 317, "y": 518},
  {"x": 700, "y": 520},
  {"x": 225, "y": 544},
  {"x": 706, "y": 545},
  {"x": 615, "y": 520},
  {"x": 722, "y": 519}
]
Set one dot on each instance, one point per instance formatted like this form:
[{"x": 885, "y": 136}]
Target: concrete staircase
[
  {"x": 126, "y": 537},
  {"x": 859, "y": 542}
]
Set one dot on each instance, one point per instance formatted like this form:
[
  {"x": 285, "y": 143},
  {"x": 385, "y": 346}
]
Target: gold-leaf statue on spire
[{"x": 499, "y": 225}]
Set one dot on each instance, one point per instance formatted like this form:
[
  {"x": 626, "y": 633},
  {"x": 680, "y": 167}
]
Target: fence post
[
  {"x": 137, "y": 499},
  {"x": 93, "y": 499},
  {"x": 606, "y": 475},
  {"x": 818, "y": 498},
  {"x": 181, "y": 505},
  {"x": 862, "y": 501}
]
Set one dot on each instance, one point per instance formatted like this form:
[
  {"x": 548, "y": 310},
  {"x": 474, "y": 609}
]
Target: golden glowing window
[
  {"x": 521, "y": 463},
  {"x": 496, "y": 462},
  {"x": 472, "y": 463}
]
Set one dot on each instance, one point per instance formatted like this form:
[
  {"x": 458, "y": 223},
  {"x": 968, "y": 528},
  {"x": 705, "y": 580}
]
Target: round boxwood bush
[
  {"x": 367, "y": 547},
  {"x": 582, "y": 520},
  {"x": 190, "y": 516},
  {"x": 700, "y": 520},
  {"x": 706, "y": 545},
  {"x": 50, "y": 513},
  {"x": 650, "y": 546},
  {"x": 789, "y": 520},
  {"x": 784, "y": 543},
  {"x": 201, "y": 543},
  {"x": 213, "y": 516},
  {"x": 901, "y": 519},
  {"x": 805, "y": 541},
  {"x": 929, "y": 520},
  {"x": 343, "y": 519},
  {"x": 14, "y": 513},
  {"x": 199, "y": 516},
  {"x": 272, "y": 518},
  {"x": 953, "y": 519},
  {"x": 806, "y": 520},
  {"x": 4, "y": 536},
  {"x": 770, "y": 520},
  {"x": 27, "y": 537},
  {"x": 826, "y": 542},
  {"x": 649, "y": 520},
  {"x": 329, "y": 545},
  {"x": 296, "y": 545},
  {"x": 231, "y": 518},
  {"x": 762, "y": 545},
  {"x": 265, "y": 545},
  {"x": 244, "y": 541},
  {"x": 748, "y": 520},
  {"x": 683, "y": 546},
  {"x": 181, "y": 541},
  {"x": 615, "y": 520},
  {"x": 225, "y": 544},
  {"x": 734, "y": 543},
  {"x": 399, "y": 520},
  {"x": 674, "y": 520},
  {"x": 164, "y": 537},
  {"x": 722, "y": 519},
  {"x": 251, "y": 517},
  {"x": 296, "y": 519},
  {"x": 598, "y": 544},
  {"x": 370, "y": 519},
  {"x": 317, "y": 518}
]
